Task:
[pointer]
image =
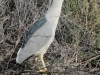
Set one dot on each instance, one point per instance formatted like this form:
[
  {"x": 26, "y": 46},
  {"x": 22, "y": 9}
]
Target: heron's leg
[
  {"x": 42, "y": 60},
  {"x": 45, "y": 69},
  {"x": 36, "y": 61}
]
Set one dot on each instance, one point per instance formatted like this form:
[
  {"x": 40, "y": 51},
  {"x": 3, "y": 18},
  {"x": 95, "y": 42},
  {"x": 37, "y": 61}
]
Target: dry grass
[{"x": 76, "y": 48}]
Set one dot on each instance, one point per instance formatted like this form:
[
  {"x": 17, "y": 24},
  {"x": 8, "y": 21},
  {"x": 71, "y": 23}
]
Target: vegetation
[{"x": 76, "y": 47}]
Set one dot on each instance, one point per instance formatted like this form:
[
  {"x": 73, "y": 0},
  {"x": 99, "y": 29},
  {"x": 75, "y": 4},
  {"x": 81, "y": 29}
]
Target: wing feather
[{"x": 33, "y": 29}]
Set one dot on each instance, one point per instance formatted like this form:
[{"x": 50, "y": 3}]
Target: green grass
[{"x": 84, "y": 25}]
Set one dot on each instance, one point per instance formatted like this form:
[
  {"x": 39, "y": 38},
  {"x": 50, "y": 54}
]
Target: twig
[{"x": 87, "y": 60}]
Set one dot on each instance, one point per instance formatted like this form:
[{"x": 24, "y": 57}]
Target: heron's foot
[{"x": 43, "y": 70}]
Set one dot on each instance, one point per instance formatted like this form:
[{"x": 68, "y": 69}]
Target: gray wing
[
  {"x": 33, "y": 29},
  {"x": 38, "y": 43}
]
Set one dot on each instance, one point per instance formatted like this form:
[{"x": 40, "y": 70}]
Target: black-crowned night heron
[{"x": 41, "y": 34}]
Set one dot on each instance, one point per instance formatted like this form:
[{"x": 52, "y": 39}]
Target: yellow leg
[
  {"x": 36, "y": 61},
  {"x": 42, "y": 60},
  {"x": 45, "y": 69}
]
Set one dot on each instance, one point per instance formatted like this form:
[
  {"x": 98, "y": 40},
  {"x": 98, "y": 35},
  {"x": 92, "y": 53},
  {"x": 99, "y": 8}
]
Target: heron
[{"x": 41, "y": 34}]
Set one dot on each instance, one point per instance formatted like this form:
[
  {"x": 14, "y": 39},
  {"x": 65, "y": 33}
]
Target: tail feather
[{"x": 21, "y": 56}]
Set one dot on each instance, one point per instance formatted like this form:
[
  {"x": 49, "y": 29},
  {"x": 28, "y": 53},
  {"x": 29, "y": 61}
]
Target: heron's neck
[
  {"x": 53, "y": 13},
  {"x": 55, "y": 8}
]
